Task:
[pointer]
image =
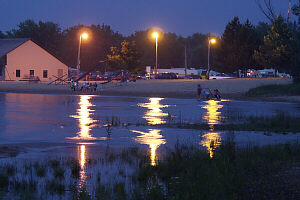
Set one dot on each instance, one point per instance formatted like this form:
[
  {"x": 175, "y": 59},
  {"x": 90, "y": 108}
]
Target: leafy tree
[
  {"x": 2, "y": 34},
  {"x": 248, "y": 42},
  {"x": 170, "y": 48},
  {"x": 276, "y": 52},
  {"x": 238, "y": 43},
  {"x": 197, "y": 45},
  {"x": 127, "y": 58},
  {"x": 262, "y": 30},
  {"x": 93, "y": 50},
  {"x": 296, "y": 10}
]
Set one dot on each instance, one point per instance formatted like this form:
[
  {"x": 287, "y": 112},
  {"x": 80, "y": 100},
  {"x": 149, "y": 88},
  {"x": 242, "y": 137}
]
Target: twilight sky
[{"x": 183, "y": 17}]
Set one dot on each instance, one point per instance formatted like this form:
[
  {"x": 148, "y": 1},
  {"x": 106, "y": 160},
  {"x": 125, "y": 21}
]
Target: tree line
[{"x": 275, "y": 44}]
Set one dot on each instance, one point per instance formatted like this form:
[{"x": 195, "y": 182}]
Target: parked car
[
  {"x": 193, "y": 77},
  {"x": 220, "y": 76},
  {"x": 167, "y": 76}
]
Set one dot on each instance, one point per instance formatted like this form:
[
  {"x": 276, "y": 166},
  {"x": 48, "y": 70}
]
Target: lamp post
[
  {"x": 82, "y": 36},
  {"x": 210, "y": 41},
  {"x": 155, "y": 35}
]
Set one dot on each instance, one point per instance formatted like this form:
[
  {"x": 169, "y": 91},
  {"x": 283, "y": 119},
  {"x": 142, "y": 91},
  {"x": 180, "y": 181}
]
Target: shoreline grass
[{"x": 275, "y": 90}]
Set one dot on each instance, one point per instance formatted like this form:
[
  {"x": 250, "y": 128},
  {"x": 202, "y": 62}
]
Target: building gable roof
[{"x": 7, "y": 45}]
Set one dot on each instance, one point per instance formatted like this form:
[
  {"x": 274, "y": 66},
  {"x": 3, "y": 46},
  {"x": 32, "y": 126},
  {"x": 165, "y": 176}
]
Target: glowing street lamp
[
  {"x": 82, "y": 36},
  {"x": 210, "y": 41},
  {"x": 155, "y": 35}
]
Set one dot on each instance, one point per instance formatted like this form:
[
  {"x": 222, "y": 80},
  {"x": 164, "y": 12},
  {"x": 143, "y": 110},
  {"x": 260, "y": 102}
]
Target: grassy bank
[
  {"x": 251, "y": 173},
  {"x": 279, "y": 123},
  {"x": 275, "y": 90},
  {"x": 184, "y": 172}
]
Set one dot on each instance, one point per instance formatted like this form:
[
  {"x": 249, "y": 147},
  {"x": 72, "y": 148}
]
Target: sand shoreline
[{"x": 232, "y": 89}]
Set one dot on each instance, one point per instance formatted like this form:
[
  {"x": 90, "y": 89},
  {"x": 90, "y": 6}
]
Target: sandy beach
[{"x": 181, "y": 88}]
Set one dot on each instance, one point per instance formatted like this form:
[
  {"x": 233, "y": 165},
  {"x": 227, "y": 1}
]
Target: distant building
[{"x": 22, "y": 59}]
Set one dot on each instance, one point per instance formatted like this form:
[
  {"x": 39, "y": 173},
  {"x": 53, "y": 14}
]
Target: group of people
[
  {"x": 205, "y": 93},
  {"x": 89, "y": 87}
]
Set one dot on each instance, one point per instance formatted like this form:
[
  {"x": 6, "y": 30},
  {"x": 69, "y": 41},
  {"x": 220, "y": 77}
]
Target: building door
[
  {"x": 60, "y": 73},
  {"x": 31, "y": 73}
]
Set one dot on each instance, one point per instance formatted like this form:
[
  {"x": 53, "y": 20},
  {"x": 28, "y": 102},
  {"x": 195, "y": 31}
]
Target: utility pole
[
  {"x": 185, "y": 60},
  {"x": 289, "y": 11}
]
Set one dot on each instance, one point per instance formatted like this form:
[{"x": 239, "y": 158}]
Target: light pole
[
  {"x": 210, "y": 41},
  {"x": 82, "y": 36},
  {"x": 155, "y": 35}
]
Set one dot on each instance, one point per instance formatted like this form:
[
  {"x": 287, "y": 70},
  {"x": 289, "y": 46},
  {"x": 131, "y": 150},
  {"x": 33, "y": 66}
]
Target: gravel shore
[{"x": 181, "y": 88}]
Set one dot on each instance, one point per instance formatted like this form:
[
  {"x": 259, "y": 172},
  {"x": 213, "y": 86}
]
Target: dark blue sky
[{"x": 183, "y": 17}]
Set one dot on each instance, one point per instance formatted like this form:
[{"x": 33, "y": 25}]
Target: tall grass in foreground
[
  {"x": 185, "y": 172},
  {"x": 247, "y": 173}
]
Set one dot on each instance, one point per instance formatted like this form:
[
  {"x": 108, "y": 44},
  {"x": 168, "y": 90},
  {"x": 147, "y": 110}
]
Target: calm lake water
[
  {"x": 59, "y": 126},
  {"x": 83, "y": 119}
]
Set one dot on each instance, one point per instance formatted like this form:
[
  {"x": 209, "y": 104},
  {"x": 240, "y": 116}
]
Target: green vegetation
[
  {"x": 275, "y": 90},
  {"x": 126, "y": 58},
  {"x": 185, "y": 172},
  {"x": 280, "y": 123},
  {"x": 277, "y": 49},
  {"x": 233, "y": 173}
]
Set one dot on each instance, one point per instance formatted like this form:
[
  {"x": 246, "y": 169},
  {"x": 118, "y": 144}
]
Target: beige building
[{"x": 22, "y": 60}]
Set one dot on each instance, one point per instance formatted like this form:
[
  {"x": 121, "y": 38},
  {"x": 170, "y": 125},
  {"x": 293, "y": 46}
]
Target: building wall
[{"x": 30, "y": 56}]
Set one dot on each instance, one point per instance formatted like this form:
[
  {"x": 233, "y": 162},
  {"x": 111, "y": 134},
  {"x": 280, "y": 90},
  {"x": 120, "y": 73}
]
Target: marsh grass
[
  {"x": 55, "y": 186},
  {"x": 278, "y": 123},
  {"x": 3, "y": 181},
  {"x": 75, "y": 168},
  {"x": 233, "y": 173},
  {"x": 59, "y": 172},
  {"x": 275, "y": 90},
  {"x": 40, "y": 169},
  {"x": 186, "y": 171}
]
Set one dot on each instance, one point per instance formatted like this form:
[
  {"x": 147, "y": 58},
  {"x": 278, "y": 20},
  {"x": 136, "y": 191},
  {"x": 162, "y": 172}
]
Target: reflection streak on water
[
  {"x": 212, "y": 140},
  {"x": 85, "y": 123},
  {"x": 155, "y": 114},
  {"x": 153, "y": 139},
  {"x": 83, "y": 177},
  {"x": 84, "y": 118}
]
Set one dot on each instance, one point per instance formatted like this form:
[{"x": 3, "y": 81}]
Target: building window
[
  {"x": 18, "y": 73},
  {"x": 45, "y": 74},
  {"x": 31, "y": 72}
]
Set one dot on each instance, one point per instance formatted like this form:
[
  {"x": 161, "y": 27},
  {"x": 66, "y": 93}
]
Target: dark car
[
  {"x": 193, "y": 77},
  {"x": 167, "y": 76}
]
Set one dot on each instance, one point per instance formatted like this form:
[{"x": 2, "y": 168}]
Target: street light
[
  {"x": 210, "y": 41},
  {"x": 82, "y": 36},
  {"x": 155, "y": 35}
]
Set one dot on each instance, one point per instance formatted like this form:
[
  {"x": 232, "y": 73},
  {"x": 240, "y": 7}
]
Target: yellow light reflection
[
  {"x": 153, "y": 139},
  {"x": 86, "y": 122},
  {"x": 82, "y": 156},
  {"x": 82, "y": 162},
  {"x": 212, "y": 115},
  {"x": 212, "y": 140},
  {"x": 155, "y": 114}
]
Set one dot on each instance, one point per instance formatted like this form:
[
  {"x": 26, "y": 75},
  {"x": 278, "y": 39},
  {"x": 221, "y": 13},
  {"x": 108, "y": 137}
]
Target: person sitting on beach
[
  {"x": 205, "y": 93},
  {"x": 83, "y": 87},
  {"x": 72, "y": 84},
  {"x": 76, "y": 85},
  {"x": 95, "y": 87},
  {"x": 217, "y": 94},
  {"x": 199, "y": 90}
]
